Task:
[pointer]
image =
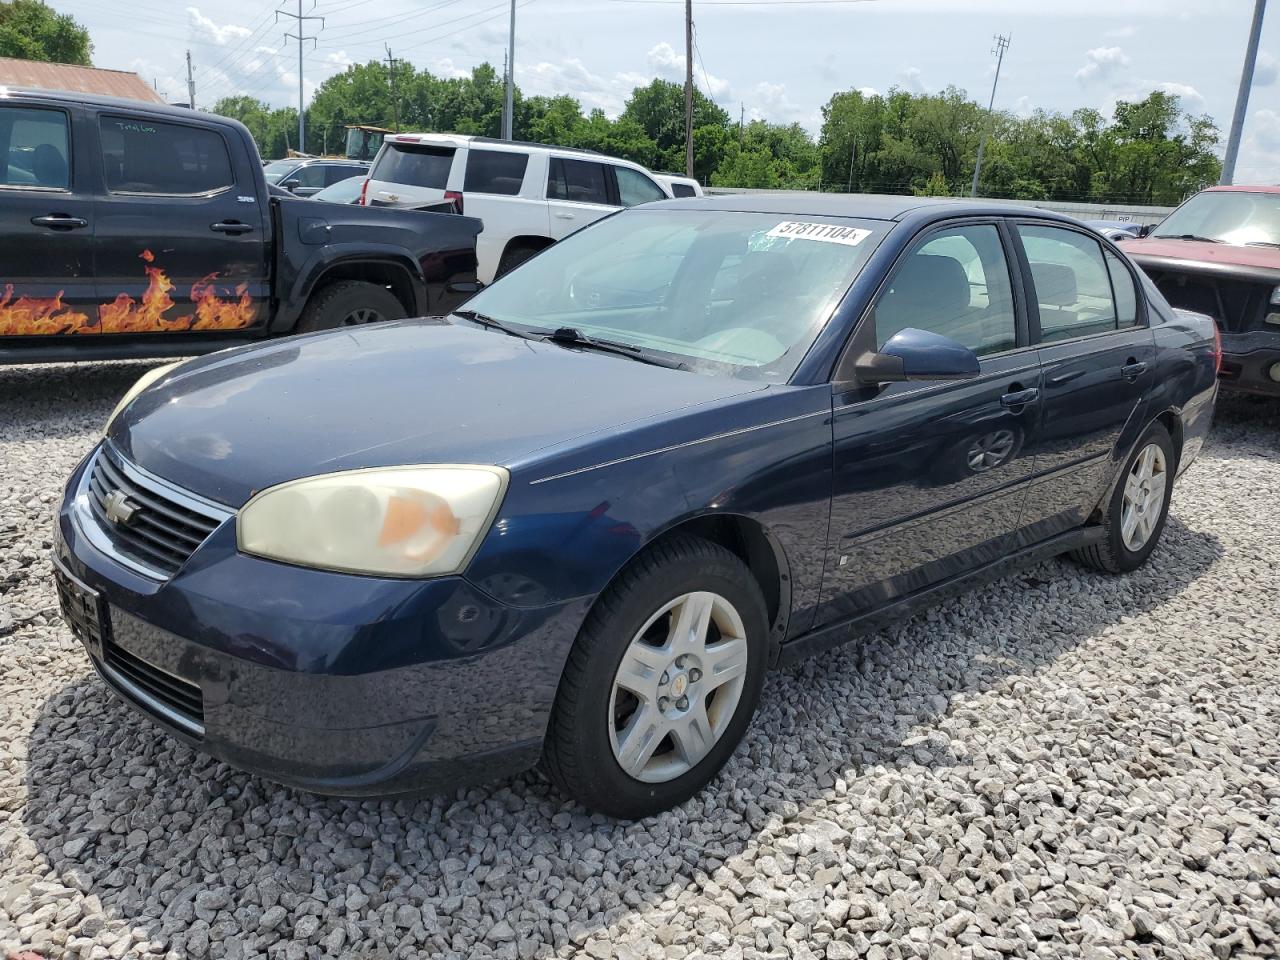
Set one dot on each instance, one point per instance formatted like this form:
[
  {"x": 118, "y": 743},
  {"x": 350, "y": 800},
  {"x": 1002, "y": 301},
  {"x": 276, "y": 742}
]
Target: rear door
[
  {"x": 179, "y": 242},
  {"x": 579, "y": 192},
  {"x": 408, "y": 174},
  {"x": 46, "y": 222},
  {"x": 1098, "y": 355},
  {"x": 930, "y": 478}
]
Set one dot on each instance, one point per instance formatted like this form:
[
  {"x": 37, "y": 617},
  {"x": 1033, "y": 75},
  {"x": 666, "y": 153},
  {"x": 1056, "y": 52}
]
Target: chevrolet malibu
[{"x": 576, "y": 523}]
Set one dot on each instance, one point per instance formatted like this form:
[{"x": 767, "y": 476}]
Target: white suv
[{"x": 528, "y": 195}]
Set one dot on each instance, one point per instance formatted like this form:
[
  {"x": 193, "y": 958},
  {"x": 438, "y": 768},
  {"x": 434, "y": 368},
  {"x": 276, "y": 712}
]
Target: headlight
[
  {"x": 144, "y": 381},
  {"x": 397, "y": 521}
]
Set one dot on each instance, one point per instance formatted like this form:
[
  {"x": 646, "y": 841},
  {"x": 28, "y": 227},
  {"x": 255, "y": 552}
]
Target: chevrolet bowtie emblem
[{"x": 119, "y": 508}]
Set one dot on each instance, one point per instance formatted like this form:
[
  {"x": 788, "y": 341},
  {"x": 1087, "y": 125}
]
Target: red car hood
[{"x": 1225, "y": 254}]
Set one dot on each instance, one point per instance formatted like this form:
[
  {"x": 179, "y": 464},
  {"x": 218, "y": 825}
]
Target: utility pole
[
  {"x": 300, "y": 36},
  {"x": 508, "y": 107},
  {"x": 1242, "y": 96},
  {"x": 191, "y": 84},
  {"x": 391, "y": 79},
  {"x": 688, "y": 88},
  {"x": 853, "y": 155},
  {"x": 1002, "y": 44}
]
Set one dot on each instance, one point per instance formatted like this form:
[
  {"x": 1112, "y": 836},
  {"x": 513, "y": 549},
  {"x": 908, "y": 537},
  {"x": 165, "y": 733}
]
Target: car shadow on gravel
[{"x": 146, "y": 823}]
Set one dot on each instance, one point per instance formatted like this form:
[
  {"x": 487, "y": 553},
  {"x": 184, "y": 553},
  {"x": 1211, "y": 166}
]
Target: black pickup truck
[{"x": 132, "y": 230}]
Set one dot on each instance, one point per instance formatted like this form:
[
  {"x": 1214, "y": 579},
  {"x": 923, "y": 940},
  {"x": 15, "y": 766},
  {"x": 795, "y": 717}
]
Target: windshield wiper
[
  {"x": 484, "y": 320},
  {"x": 1184, "y": 236},
  {"x": 1261, "y": 243},
  {"x": 573, "y": 337}
]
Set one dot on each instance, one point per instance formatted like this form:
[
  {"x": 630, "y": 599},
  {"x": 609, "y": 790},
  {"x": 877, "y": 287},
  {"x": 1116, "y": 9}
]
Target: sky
[{"x": 778, "y": 60}]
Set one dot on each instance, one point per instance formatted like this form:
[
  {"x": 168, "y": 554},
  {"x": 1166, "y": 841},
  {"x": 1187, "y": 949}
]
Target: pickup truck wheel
[
  {"x": 662, "y": 681},
  {"x": 1139, "y": 508},
  {"x": 349, "y": 303}
]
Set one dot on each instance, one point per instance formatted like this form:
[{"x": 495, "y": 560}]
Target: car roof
[
  {"x": 466, "y": 139},
  {"x": 121, "y": 103},
  {"x": 1241, "y": 188},
  {"x": 863, "y": 206}
]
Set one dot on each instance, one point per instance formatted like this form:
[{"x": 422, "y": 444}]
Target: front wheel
[
  {"x": 661, "y": 683},
  {"x": 1139, "y": 508}
]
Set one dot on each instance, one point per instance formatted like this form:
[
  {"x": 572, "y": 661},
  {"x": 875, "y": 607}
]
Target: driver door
[{"x": 930, "y": 478}]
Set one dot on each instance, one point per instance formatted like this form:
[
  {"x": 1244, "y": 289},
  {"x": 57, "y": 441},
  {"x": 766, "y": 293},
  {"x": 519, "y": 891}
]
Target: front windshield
[
  {"x": 1227, "y": 216},
  {"x": 275, "y": 170},
  {"x": 344, "y": 191},
  {"x": 725, "y": 292}
]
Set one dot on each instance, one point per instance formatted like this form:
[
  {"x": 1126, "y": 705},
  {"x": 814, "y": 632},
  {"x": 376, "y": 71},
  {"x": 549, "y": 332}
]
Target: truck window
[
  {"x": 494, "y": 171},
  {"x": 635, "y": 188},
  {"x": 682, "y": 190},
  {"x": 578, "y": 181},
  {"x": 414, "y": 165},
  {"x": 33, "y": 143},
  {"x": 146, "y": 156}
]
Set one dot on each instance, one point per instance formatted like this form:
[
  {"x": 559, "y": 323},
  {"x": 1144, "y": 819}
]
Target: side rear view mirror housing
[
  {"x": 467, "y": 287},
  {"x": 1145, "y": 230},
  {"x": 913, "y": 354},
  {"x": 291, "y": 185}
]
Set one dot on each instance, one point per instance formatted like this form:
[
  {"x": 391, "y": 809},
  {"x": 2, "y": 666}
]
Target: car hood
[
  {"x": 418, "y": 391},
  {"x": 1222, "y": 254}
]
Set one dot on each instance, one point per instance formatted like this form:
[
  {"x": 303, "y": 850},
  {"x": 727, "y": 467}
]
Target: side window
[
  {"x": 1073, "y": 288},
  {"x": 34, "y": 148},
  {"x": 578, "y": 181},
  {"x": 1126, "y": 294},
  {"x": 635, "y": 188},
  {"x": 149, "y": 157},
  {"x": 336, "y": 173},
  {"x": 312, "y": 175},
  {"x": 495, "y": 171},
  {"x": 682, "y": 190},
  {"x": 955, "y": 284}
]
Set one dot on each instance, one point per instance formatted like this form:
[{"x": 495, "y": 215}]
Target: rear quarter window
[
  {"x": 495, "y": 171},
  {"x": 682, "y": 190},
  {"x": 414, "y": 165}
]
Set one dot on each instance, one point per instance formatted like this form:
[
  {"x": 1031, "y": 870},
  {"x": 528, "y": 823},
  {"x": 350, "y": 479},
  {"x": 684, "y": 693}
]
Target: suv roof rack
[{"x": 534, "y": 143}]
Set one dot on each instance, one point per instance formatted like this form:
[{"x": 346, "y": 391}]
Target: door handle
[
  {"x": 565, "y": 216},
  {"x": 1133, "y": 369},
  {"x": 1019, "y": 398},
  {"x": 230, "y": 226},
  {"x": 58, "y": 221}
]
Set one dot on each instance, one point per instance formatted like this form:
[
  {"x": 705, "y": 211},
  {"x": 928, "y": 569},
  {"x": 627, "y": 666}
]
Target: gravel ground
[{"x": 1062, "y": 764}]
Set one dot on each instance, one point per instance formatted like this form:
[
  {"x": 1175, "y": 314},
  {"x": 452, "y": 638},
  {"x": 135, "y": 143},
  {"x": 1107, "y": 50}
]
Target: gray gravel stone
[{"x": 1061, "y": 764}]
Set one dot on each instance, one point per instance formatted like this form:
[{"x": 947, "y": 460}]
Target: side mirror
[
  {"x": 913, "y": 354},
  {"x": 468, "y": 287},
  {"x": 292, "y": 184}
]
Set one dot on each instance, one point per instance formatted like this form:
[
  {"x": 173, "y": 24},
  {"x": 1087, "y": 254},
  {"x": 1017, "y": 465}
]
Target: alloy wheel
[
  {"x": 361, "y": 316},
  {"x": 677, "y": 687},
  {"x": 1144, "y": 491},
  {"x": 990, "y": 450}
]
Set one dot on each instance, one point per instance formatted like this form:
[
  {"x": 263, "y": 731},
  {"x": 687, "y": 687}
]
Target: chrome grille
[{"x": 159, "y": 527}]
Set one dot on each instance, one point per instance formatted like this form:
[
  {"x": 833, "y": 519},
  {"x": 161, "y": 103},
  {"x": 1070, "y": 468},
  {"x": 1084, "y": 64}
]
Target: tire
[
  {"x": 1116, "y": 553},
  {"x": 591, "y": 719},
  {"x": 513, "y": 256},
  {"x": 346, "y": 303}
]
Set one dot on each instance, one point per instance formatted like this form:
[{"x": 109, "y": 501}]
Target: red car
[{"x": 1219, "y": 253}]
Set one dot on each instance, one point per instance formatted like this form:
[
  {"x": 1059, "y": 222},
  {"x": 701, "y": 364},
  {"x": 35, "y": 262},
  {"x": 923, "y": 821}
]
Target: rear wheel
[
  {"x": 1139, "y": 508},
  {"x": 349, "y": 303},
  {"x": 661, "y": 683},
  {"x": 513, "y": 256}
]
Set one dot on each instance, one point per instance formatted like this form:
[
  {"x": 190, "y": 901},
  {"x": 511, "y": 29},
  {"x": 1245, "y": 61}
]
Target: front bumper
[
  {"x": 336, "y": 684},
  {"x": 1248, "y": 360}
]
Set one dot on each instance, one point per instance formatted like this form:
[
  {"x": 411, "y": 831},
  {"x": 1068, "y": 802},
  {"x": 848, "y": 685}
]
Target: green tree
[
  {"x": 659, "y": 111},
  {"x": 31, "y": 30}
]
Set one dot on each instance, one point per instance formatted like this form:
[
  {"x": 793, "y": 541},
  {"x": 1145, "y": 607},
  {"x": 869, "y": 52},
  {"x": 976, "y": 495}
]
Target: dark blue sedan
[{"x": 577, "y": 522}]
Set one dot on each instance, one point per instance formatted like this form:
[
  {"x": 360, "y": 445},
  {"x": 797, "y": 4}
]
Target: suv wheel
[{"x": 349, "y": 303}]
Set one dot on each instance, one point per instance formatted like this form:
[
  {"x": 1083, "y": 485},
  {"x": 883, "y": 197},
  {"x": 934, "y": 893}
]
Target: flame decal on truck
[{"x": 29, "y": 316}]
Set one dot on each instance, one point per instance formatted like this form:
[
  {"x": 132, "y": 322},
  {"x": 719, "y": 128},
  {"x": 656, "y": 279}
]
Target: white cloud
[
  {"x": 669, "y": 65},
  {"x": 1192, "y": 99},
  {"x": 1022, "y": 107},
  {"x": 1102, "y": 63},
  {"x": 445, "y": 67},
  {"x": 910, "y": 80},
  {"x": 868, "y": 91},
  {"x": 1259, "y": 160},
  {"x": 203, "y": 27},
  {"x": 1266, "y": 70}
]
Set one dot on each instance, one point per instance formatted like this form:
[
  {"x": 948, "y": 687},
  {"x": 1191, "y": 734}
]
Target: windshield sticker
[{"x": 824, "y": 232}]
